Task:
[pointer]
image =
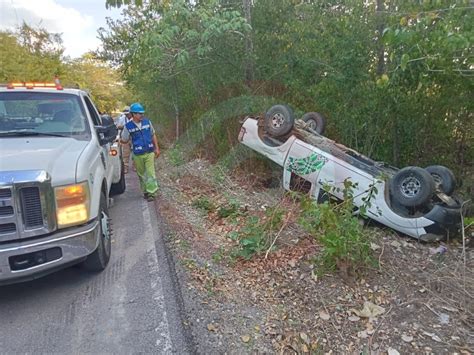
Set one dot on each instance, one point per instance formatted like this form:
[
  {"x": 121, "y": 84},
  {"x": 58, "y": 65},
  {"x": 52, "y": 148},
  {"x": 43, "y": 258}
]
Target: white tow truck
[{"x": 59, "y": 165}]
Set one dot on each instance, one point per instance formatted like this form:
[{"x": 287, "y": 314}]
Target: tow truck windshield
[{"x": 39, "y": 113}]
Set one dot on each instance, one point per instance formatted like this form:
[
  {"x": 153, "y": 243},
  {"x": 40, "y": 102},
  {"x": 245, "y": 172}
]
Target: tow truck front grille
[
  {"x": 31, "y": 207},
  {"x": 6, "y": 211},
  {"x": 26, "y": 205},
  {"x": 5, "y": 193},
  {"x": 7, "y": 228}
]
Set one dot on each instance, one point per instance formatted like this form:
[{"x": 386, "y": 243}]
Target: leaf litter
[{"x": 280, "y": 302}]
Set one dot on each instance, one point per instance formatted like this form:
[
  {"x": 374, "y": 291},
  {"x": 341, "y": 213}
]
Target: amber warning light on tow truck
[{"x": 32, "y": 85}]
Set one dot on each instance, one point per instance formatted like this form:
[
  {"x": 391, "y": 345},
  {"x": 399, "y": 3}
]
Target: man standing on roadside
[
  {"x": 145, "y": 149},
  {"x": 120, "y": 123}
]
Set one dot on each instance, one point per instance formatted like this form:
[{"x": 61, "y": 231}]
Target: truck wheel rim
[
  {"x": 437, "y": 179},
  {"x": 278, "y": 120},
  {"x": 410, "y": 187},
  {"x": 312, "y": 124}
]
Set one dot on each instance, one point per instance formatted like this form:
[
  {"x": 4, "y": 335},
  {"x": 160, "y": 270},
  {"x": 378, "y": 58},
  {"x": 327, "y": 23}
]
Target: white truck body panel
[
  {"x": 332, "y": 171},
  {"x": 45, "y": 162}
]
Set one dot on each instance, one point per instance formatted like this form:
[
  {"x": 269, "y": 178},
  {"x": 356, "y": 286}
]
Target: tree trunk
[
  {"x": 380, "y": 27},
  {"x": 249, "y": 63},
  {"x": 396, "y": 147},
  {"x": 176, "y": 106}
]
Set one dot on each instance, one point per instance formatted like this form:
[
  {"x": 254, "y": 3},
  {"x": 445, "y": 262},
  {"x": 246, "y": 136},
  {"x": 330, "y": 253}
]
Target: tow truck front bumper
[{"x": 24, "y": 260}]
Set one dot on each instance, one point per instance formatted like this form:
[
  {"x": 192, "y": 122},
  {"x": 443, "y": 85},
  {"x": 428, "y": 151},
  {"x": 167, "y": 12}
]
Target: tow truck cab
[{"x": 58, "y": 167}]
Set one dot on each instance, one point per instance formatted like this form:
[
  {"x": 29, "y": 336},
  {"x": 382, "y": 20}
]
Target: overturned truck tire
[
  {"x": 443, "y": 177},
  {"x": 412, "y": 186},
  {"x": 315, "y": 121},
  {"x": 279, "y": 120}
]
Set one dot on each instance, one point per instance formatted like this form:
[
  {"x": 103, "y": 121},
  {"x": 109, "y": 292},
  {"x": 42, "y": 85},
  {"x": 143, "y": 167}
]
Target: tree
[
  {"x": 102, "y": 82},
  {"x": 393, "y": 77},
  {"x": 34, "y": 54},
  {"x": 30, "y": 54},
  {"x": 168, "y": 52}
]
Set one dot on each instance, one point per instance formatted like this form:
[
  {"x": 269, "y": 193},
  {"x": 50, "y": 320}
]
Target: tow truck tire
[
  {"x": 315, "y": 121},
  {"x": 412, "y": 186},
  {"x": 443, "y": 177},
  {"x": 120, "y": 186},
  {"x": 98, "y": 260},
  {"x": 279, "y": 120}
]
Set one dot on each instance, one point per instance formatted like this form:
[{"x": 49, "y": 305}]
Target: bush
[
  {"x": 204, "y": 203},
  {"x": 346, "y": 245},
  {"x": 256, "y": 236}
]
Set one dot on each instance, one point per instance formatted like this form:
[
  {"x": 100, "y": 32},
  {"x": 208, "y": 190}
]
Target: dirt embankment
[{"x": 417, "y": 300}]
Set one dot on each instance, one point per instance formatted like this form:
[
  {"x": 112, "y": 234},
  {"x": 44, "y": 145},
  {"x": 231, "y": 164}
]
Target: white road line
[{"x": 163, "y": 340}]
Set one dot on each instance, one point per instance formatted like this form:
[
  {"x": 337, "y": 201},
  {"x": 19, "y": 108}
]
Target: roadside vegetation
[
  {"x": 394, "y": 78},
  {"x": 269, "y": 271}
]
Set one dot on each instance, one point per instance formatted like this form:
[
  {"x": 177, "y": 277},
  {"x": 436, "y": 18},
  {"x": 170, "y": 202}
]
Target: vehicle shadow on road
[{"x": 57, "y": 282}]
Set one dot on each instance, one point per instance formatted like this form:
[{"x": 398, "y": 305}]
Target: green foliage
[
  {"x": 395, "y": 84},
  {"x": 346, "y": 245},
  {"x": 256, "y": 236},
  {"x": 219, "y": 255},
  {"x": 232, "y": 209},
  {"x": 175, "y": 155},
  {"x": 30, "y": 55},
  {"x": 102, "y": 82},
  {"x": 203, "y": 203},
  {"x": 34, "y": 54}
]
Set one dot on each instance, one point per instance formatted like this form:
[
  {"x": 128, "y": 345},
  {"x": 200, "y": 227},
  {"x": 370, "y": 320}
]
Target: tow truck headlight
[{"x": 72, "y": 204}]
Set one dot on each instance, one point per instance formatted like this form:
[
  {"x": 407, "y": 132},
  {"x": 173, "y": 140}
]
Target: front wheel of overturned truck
[{"x": 279, "y": 120}]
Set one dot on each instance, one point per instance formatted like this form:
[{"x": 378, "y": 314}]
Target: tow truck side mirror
[{"x": 107, "y": 132}]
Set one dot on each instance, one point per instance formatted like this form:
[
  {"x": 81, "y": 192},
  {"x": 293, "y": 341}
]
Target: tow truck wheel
[
  {"x": 119, "y": 187},
  {"x": 443, "y": 177},
  {"x": 279, "y": 120},
  {"x": 315, "y": 121},
  {"x": 412, "y": 186},
  {"x": 99, "y": 259}
]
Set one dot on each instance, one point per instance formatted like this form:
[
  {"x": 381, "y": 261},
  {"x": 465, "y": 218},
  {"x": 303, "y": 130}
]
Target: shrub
[
  {"x": 256, "y": 236},
  {"x": 346, "y": 245},
  {"x": 204, "y": 203}
]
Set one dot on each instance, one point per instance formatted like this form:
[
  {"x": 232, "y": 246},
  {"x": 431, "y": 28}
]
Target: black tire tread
[
  {"x": 288, "y": 114},
  {"x": 318, "y": 118},
  {"x": 98, "y": 260},
  {"x": 448, "y": 180},
  {"x": 424, "y": 196},
  {"x": 119, "y": 187}
]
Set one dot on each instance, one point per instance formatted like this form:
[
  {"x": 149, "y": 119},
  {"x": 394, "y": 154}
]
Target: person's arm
[
  {"x": 157, "y": 148},
  {"x": 155, "y": 141},
  {"x": 120, "y": 123},
  {"x": 125, "y": 136}
]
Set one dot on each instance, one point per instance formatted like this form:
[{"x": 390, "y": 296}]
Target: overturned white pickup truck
[
  {"x": 414, "y": 201},
  {"x": 59, "y": 163}
]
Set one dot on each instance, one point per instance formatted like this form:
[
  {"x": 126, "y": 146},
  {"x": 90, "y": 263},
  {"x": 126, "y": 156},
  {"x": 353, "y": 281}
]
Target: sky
[{"x": 77, "y": 20}]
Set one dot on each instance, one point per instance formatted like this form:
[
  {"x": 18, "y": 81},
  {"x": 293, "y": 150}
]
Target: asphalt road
[{"x": 131, "y": 307}]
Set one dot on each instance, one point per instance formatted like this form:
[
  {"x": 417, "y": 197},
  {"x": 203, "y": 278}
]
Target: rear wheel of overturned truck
[
  {"x": 315, "y": 121},
  {"x": 412, "y": 187},
  {"x": 443, "y": 177}
]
